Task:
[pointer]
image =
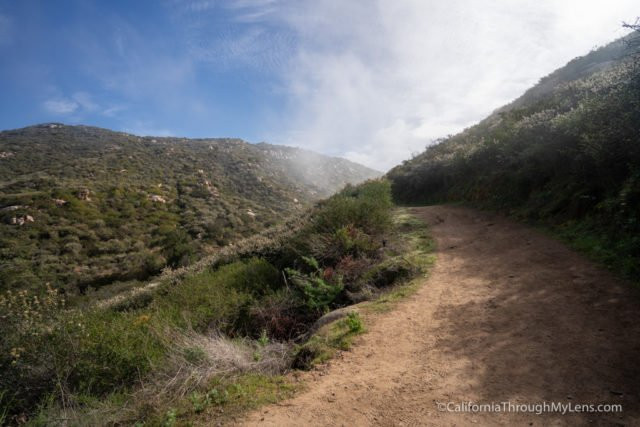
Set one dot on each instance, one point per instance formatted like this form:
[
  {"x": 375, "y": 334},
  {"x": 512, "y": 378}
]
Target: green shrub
[
  {"x": 178, "y": 248},
  {"x": 387, "y": 272},
  {"x": 367, "y": 206},
  {"x": 91, "y": 351},
  {"x": 109, "y": 350},
  {"x": 97, "y": 351},
  {"x": 316, "y": 293},
  {"x": 218, "y": 298},
  {"x": 354, "y": 322}
]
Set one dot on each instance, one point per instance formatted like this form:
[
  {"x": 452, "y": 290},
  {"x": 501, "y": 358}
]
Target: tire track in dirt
[{"x": 507, "y": 314}]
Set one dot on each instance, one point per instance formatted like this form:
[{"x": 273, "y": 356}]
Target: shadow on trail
[{"x": 543, "y": 324}]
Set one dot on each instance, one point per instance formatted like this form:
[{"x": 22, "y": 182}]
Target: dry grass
[
  {"x": 197, "y": 358},
  {"x": 195, "y": 362}
]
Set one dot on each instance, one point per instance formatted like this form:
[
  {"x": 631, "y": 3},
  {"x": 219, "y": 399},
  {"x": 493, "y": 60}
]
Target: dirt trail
[{"x": 506, "y": 315}]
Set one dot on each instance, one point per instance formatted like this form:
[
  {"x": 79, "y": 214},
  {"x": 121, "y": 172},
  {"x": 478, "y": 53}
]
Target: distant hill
[
  {"x": 565, "y": 154},
  {"x": 83, "y": 207}
]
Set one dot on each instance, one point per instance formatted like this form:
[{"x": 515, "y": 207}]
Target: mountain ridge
[{"x": 82, "y": 206}]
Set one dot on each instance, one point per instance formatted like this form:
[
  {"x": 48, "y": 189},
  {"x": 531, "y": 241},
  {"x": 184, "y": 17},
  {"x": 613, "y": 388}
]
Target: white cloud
[
  {"x": 85, "y": 101},
  {"x": 201, "y": 5},
  {"x": 234, "y": 35},
  {"x": 78, "y": 106},
  {"x": 61, "y": 106},
  {"x": 378, "y": 80},
  {"x": 370, "y": 80},
  {"x": 258, "y": 47},
  {"x": 113, "y": 110}
]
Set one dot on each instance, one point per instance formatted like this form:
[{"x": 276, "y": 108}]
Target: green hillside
[
  {"x": 82, "y": 207},
  {"x": 214, "y": 336},
  {"x": 566, "y": 155}
]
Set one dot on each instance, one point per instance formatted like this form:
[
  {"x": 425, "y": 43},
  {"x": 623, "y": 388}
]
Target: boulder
[
  {"x": 21, "y": 220},
  {"x": 84, "y": 194},
  {"x": 330, "y": 317},
  {"x": 157, "y": 198}
]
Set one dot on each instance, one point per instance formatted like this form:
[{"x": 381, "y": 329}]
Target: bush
[
  {"x": 280, "y": 314},
  {"x": 109, "y": 350},
  {"x": 98, "y": 351},
  {"x": 316, "y": 293},
  {"x": 218, "y": 298},
  {"x": 354, "y": 322},
  {"x": 367, "y": 207},
  {"x": 387, "y": 273},
  {"x": 93, "y": 351}
]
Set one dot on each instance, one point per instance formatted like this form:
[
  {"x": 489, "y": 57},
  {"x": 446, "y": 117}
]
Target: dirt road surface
[{"x": 507, "y": 315}]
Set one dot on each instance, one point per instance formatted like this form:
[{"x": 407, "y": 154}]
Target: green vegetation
[
  {"x": 409, "y": 246},
  {"x": 317, "y": 294},
  {"x": 207, "y": 337},
  {"x": 418, "y": 252},
  {"x": 566, "y": 155},
  {"x": 226, "y": 398},
  {"x": 82, "y": 207},
  {"x": 324, "y": 344}
]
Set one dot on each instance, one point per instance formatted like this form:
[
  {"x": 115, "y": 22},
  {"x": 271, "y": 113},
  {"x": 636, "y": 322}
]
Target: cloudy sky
[{"x": 370, "y": 80}]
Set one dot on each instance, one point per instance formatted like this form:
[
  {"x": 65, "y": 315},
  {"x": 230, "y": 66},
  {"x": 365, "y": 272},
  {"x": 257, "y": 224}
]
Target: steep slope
[
  {"x": 82, "y": 206},
  {"x": 565, "y": 154}
]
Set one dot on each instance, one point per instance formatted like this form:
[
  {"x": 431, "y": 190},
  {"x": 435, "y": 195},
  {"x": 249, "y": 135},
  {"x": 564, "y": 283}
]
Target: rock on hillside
[{"x": 112, "y": 206}]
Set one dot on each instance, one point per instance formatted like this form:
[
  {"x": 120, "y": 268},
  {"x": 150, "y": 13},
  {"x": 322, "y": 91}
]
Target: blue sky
[
  {"x": 370, "y": 80},
  {"x": 145, "y": 67}
]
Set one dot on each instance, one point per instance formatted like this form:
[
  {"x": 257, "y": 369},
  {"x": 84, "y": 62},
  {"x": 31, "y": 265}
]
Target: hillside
[
  {"x": 217, "y": 335},
  {"x": 84, "y": 207},
  {"x": 564, "y": 155}
]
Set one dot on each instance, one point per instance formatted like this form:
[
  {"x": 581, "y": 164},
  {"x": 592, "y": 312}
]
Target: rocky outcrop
[
  {"x": 21, "y": 220},
  {"x": 84, "y": 194},
  {"x": 331, "y": 317},
  {"x": 210, "y": 188},
  {"x": 156, "y": 198}
]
